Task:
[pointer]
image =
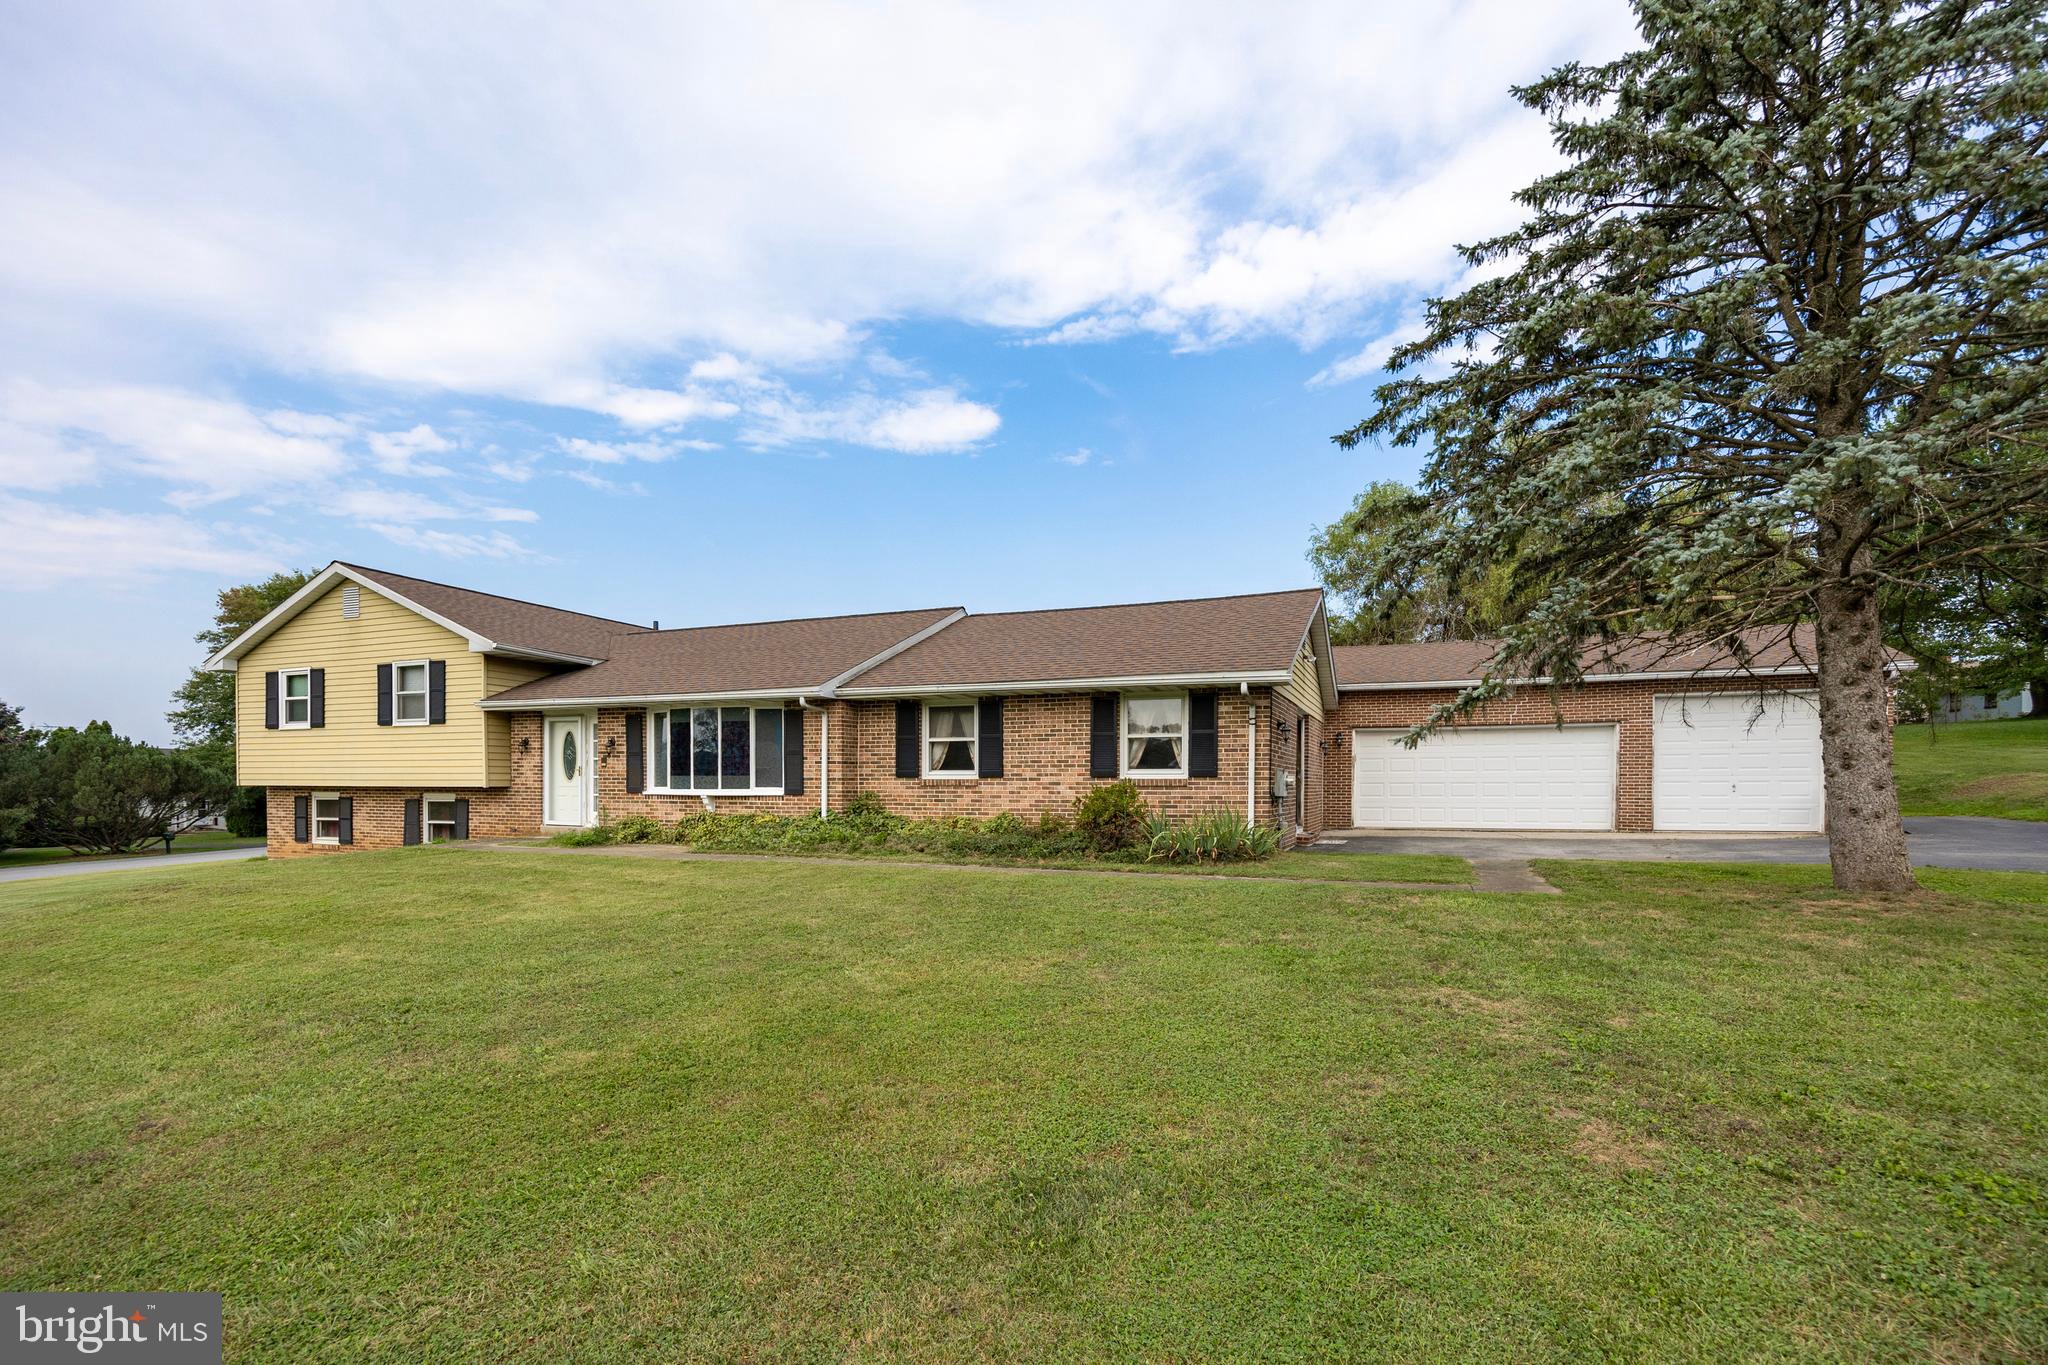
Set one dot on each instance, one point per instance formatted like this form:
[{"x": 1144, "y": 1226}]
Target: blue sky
[{"x": 711, "y": 314}]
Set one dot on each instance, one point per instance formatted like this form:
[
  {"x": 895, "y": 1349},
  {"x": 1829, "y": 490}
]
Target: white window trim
[
  {"x": 924, "y": 739},
  {"x": 284, "y": 710},
  {"x": 313, "y": 817},
  {"x": 425, "y": 694},
  {"x": 427, "y": 822},
  {"x": 1123, "y": 742},
  {"x": 647, "y": 751}
]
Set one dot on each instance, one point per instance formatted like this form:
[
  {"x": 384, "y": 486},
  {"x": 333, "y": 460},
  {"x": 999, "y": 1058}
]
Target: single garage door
[
  {"x": 1733, "y": 761},
  {"x": 1485, "y": 777}
]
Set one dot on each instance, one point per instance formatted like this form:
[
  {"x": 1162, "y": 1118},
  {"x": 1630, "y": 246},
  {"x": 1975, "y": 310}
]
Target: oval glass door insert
[{"x": 568, "y": 755}]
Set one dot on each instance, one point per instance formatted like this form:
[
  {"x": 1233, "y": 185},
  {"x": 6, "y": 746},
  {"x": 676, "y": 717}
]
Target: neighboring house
[
  {"x": 1984, "y": 706},
  {"x": 379, "y": 709}
]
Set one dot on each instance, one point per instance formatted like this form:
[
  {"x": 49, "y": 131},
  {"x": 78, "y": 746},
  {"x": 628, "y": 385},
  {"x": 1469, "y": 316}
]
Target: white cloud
[
  {"x": 1371, "y": 360},
  {"x": 1076, "y": 458},
  {"x": 453, "y": 544},
  {"x": 931, "y": 422},
  {"x": 206, "y": 448},
  {"x": 395, "y": 505},
  {"x": 756, "y": 186},
  {"x": 40, "y": 461},
  {"x": 398, "y": 452},
  {"x": 44, "y": 544},
  {"x": 620, "y": 452}
]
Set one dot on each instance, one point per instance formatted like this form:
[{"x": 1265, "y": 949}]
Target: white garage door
[
  {"x": 1722, "y": 763},
  {"x": 1485, "y": 777}
]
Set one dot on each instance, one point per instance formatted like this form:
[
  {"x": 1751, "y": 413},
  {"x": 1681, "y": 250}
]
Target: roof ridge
[
  {"x": 1160, "y": 602},
  {"x": 792, "y": 620},
  {"x": 496, "y": 596}
]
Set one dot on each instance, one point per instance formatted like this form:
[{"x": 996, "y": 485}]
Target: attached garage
[
  {"x": 1485, "y": 777},
  {"x": 1735, "y": 761}
]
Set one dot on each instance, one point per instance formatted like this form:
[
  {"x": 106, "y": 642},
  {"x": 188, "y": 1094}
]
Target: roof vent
[{"x": 351, "y": 602}]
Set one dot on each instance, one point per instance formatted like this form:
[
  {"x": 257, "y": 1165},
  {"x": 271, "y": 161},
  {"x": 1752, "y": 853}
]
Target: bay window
[
  {"x": 1156, "y": 734},
  {"x": 718, "y": 749}
]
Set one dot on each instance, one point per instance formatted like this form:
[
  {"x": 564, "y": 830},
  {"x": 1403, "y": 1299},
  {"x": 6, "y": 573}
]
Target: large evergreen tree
[{"x": 1770, "y": 344}]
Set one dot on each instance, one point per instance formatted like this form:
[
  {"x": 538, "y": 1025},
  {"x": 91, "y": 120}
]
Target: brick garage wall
[
  {"x": 1293, "y": 729},
  {"x": 1627, "y": 705},
  {"x": 1045, "y": 764}
]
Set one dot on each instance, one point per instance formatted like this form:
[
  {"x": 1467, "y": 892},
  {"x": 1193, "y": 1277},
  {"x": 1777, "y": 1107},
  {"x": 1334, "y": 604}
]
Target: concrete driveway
[{"x": 1966, "y": 841}]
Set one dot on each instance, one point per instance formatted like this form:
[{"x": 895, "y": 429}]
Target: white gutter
[
  {"x": 1783, "y": 671},
  {"x": 1251, "y": 756}
]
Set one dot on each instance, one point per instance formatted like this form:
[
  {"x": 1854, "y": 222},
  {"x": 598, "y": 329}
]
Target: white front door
[
  {"x": 1485, "y": 777},
  {"x": 566, "y": 792},
  {"x": 1725, "y": 761}
]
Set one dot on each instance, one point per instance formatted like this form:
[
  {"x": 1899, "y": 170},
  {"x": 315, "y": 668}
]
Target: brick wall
[
  {"x": 1627, "y": 705},
  {"x": 379, "y": 816},
  {"x": 1045, "y": 766}
]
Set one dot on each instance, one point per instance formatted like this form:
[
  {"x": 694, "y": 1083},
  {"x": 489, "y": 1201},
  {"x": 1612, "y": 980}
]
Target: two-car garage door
[
  {"x": 1720, "y": 761},
  {"x": 1485, "y": 777}
]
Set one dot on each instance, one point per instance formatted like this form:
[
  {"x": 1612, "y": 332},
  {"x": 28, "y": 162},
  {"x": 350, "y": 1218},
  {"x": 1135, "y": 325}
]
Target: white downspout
[
  {"x": 1251, "y": 755},
  {"x": 824, "y": 757}
]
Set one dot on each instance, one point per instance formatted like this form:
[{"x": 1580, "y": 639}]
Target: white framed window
[
  {"x": 1155, "y": 737},
  {"x": 952, "y": 743},
  {"x": 730, "y": 750},
  {"x": 326, "y": 817},
  {"x": 294, "y": 698},
  {"x": 409, "y": 693},
  {"x": 437, "y": 813}
]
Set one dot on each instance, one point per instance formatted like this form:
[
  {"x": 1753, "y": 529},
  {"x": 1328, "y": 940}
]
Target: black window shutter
[
  {"x": 383, "y": 694},
  {"x": 1202, "y": 734},
  {"x": 636, "y": 751},
  {"x": 462, "y": 817},
  {"x": 909, "y": 721},
  {"x": 1102, "y": 735},
  {"x": 347, "y": 834},
  {"x": 316, "y": 691},
  {"x": 793, "y": 752},
  {"x": 270, "y": 701},
  {"x": 990, "y": 756},
  {"x": 302, "y": 819},
  {"x": 437, "y": 692},
  {"x": 412, "y": 820}
]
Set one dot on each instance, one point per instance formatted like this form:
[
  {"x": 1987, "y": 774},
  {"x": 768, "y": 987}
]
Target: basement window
[
  {"x": 440, "y": 816},
  {"x": 326, "y": 817}
]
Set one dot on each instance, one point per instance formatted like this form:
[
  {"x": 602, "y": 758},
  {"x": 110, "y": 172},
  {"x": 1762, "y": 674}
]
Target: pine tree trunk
[{"x": 1866, "y": 837}]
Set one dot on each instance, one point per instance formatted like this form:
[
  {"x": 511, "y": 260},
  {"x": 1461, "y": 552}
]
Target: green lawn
[
  {"x": 185, "y": 843},
  {"x": 1986, "y": 767},
  {"x": 442, "y": 1104}
]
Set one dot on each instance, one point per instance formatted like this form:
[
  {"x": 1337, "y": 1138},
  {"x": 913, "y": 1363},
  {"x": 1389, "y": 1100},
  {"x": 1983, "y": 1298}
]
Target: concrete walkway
[
  {"x": 141, "y": 862},
  {"x": 1961, "y": 841}
]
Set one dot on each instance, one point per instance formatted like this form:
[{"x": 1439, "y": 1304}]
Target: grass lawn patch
[
  {"x": 447, "y": 1104},
  {"x": 1985, "y": 767},
  {"x": 205, "y": 841}
]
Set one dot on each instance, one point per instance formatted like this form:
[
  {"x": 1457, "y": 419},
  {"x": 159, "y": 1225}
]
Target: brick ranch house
[{"x": 379, "y": 709}]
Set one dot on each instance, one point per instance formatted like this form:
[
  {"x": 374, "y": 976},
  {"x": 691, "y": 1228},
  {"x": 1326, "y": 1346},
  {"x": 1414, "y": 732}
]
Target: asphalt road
[
  {"x": 83, "y": 866},
  {"x": 1965, "y": 841}
]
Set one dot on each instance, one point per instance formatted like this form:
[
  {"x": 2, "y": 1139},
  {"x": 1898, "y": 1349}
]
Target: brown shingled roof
[
  {"x": 1464, "y": 661},
  {"x": 786, "y": 657},
  {"x": 1197, "y": 637},
  {"x": 507, "y": 621}
]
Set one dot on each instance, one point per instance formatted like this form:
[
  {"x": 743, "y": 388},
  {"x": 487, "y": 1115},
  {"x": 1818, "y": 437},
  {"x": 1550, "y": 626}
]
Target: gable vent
[{"x": 351, "y": 602}]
